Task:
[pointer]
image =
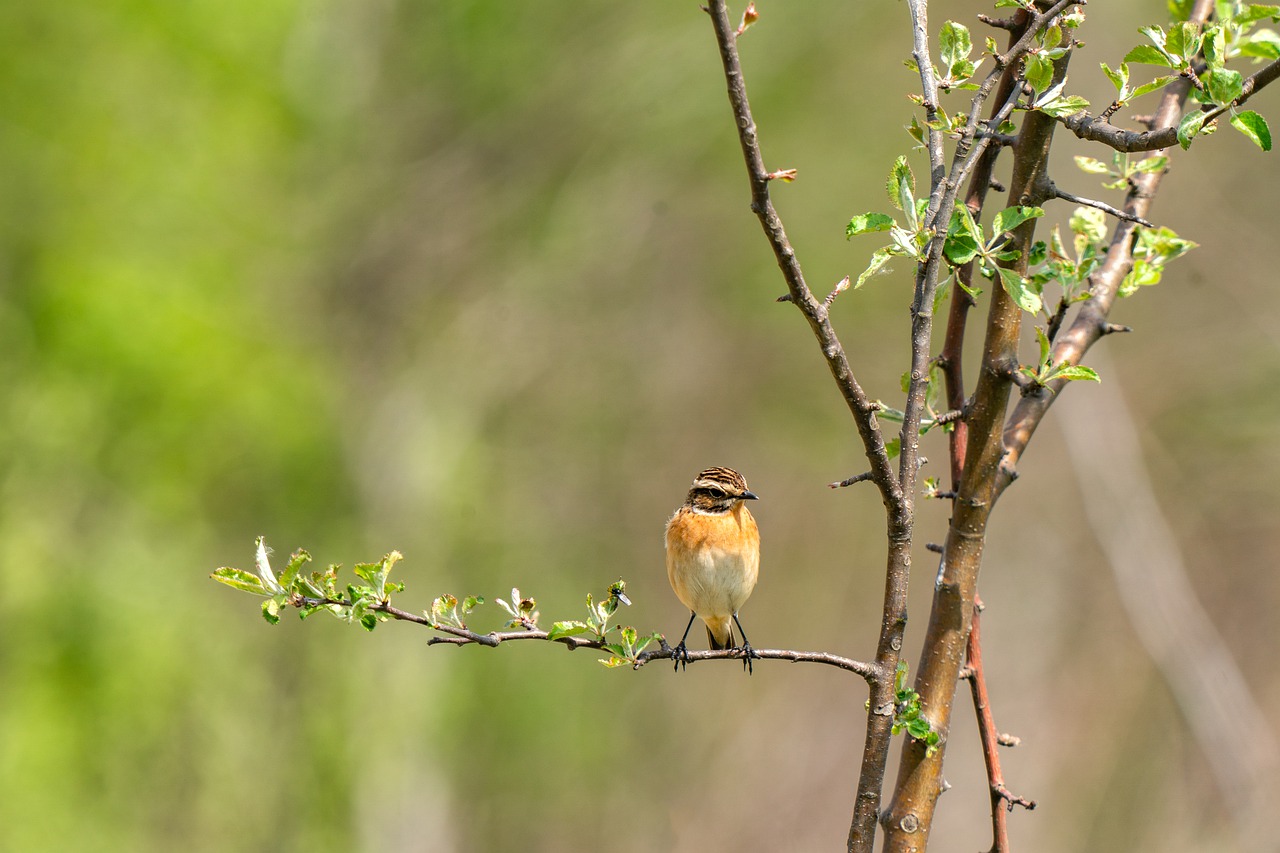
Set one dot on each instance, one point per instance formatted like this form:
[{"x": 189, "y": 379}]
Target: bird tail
[{"x": 725, "y": 641}]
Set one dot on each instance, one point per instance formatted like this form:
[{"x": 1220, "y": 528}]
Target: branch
[
  {"x": 991, "y": 738},
  {"x": 1100, "y": 205},
  {"x": 460, "y": 636},
  {"x": 1096, "y": 129},
  {"x": 1090, "y": 322},
  {"x": 860, "y": 406}
]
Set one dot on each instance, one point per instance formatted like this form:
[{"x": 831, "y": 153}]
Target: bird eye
[{"x": 718, "y": 494}]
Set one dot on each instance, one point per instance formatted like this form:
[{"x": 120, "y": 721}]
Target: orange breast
[{"x": 713, "y": 560}]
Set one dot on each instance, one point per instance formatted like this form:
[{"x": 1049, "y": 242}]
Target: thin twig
[
  {"x": 858, "y": 478},
  {"x": 460, "y": 636},
  {"x": 1103, "y": 206}
]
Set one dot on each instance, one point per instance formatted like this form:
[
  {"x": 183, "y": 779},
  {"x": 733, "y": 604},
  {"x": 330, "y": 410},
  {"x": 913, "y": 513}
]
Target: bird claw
[{"x": 681, "y": 655}]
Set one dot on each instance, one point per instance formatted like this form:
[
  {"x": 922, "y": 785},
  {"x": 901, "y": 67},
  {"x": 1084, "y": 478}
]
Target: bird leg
[
  {"x": 681, "y": 652},
  {"x": 746, "y": 649}
]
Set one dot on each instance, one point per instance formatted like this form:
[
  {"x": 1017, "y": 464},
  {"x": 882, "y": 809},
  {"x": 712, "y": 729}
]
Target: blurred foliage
[{"x": 477, "y": 281}]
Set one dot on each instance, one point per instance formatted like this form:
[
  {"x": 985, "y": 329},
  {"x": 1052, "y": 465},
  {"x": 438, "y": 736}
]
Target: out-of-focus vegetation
[{"x": 477, "y": 281}]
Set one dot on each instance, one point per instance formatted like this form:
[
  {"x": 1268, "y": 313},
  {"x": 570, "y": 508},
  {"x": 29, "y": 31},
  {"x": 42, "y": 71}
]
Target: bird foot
[
  {"x": 747, "y": 654},
  {"x": 681, "y": 655}
]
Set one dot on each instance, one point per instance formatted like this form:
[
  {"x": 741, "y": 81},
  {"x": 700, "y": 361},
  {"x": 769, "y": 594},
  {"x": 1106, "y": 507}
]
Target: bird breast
[{"x": 713, "y": 560}]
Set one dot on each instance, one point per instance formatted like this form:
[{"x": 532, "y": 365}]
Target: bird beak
[{"x": 748, "y": 496}]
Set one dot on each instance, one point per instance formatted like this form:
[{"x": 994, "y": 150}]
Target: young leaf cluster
[
  {"x": 1201, "y": 55},
  {"x": 907, "y": 716},
  {"x": 318, "y": 590},
  {"x": 908, "y": 240}
]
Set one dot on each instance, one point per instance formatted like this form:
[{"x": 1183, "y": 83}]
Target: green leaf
[
  {"x": 879, "y": 258},
  {"x": 1011, "y": 217},
  {"x": 1074, "y": 372},
  {"x": 471, "y": 602},
  {"x": 1252, "y": 12},
  {"x": 1180, "y": 10},
  {"x": 1043, "y": 340},
  {"x": 1190, "y": 125},
  {"x": 1183, "y": 41},
  {"x": 1039, "y": 71},
  {"x": 1158, "y": 83},
  {"x": 1118, "y": 77},
  {"x": 297, "y": 560},
  {"x": 867, "y": 222},
  {"x": 271, "y": 611},
  {"x": 1092, "y": 166},
  {"x": 239, "y": 579},
  {"x": 919, "y": 728},
  {"x": 1224, "y": 85},
  {"x": 893, "y": 447},
  {"x": 1145, "y": 54},
  {"x": 901, "y": 188},
  {"x": 1020, "y": 289},
  {"x": 955, "y": 45},
  {"x": 1264, "y": 44},
  {"x": 1063, "y": 106},
  {"x": 960, "y": 249},
  {"x": 1090, "y": 227},
  {"x": 1214, "y": 46},
  {"x": 568, "y": 628},
  {"x": 1152, "y": 164},
  {"x": 1253, "y": 126}
]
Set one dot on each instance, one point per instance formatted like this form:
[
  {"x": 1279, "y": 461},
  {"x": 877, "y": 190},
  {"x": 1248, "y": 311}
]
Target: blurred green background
[{"x": 478, "y": 281}]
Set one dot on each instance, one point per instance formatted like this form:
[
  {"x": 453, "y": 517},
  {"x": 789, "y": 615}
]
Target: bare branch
[
  {"x": 858, "y": 478},
  {"x": 761, "y": 204},
  {"x": 1101, "y": 205}
]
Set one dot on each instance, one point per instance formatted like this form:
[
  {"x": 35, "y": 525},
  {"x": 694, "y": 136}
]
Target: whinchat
[{"x": 713, "y": 557}]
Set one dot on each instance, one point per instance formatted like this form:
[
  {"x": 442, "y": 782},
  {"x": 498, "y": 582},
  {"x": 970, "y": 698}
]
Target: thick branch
[
  {"x": 1090, "y": 322},
  {"x": 909, "y": 818}
]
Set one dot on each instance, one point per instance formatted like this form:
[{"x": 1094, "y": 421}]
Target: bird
[{"x": 713, "y": 557}]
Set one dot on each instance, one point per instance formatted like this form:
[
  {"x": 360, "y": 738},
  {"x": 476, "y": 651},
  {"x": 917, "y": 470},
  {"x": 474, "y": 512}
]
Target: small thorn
[
  {"x": 1113, "y": 328},
  {"x": 786, "y": 297},
  {"x": 934, "y": 547},
  {"x": 784, "y": 175}
]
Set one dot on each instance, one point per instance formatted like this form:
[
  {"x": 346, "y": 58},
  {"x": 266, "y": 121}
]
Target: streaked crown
[{"x": 716, "y": 490}]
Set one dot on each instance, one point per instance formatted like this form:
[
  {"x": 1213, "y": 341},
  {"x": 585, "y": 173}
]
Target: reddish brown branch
[{"x": 1002, "y": 800}]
